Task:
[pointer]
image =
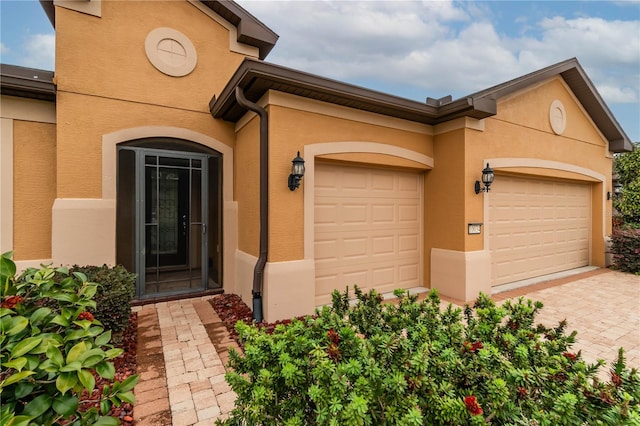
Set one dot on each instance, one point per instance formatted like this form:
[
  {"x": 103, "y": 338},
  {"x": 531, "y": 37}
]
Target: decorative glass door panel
[
  {"x": 169, "y": 218},
  {"x": 174, "y": 190}
]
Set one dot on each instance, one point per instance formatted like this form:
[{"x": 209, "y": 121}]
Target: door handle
[{"x": 184, "y": 225}]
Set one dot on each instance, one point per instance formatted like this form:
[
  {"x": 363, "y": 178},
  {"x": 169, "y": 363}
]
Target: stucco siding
[
  {"x": 247, "y": 186},
  {"x": 112, "y": 61},
  {"x": 105, "y": 82},
  {"x": 521, "y": 134},
  {"x": 34, "y": 177},
  {"x": 290, "y": 131},
  {"x": 80, "y": 135}
]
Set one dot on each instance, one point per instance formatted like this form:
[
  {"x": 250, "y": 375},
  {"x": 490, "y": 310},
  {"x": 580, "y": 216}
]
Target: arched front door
[{"x": 169, "y": 217}]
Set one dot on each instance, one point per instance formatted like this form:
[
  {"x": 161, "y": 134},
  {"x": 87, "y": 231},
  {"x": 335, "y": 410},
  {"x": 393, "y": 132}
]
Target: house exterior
[{"x": 164, "y": 141}]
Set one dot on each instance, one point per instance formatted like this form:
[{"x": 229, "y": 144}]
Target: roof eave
[
  {"x": 27, "y": 83},
  {"x": 250, "y": 29},
  {"x": 49, "y": 10},
  {"x": 256, "y": 78},
  {"x": 576, "y": 78}
]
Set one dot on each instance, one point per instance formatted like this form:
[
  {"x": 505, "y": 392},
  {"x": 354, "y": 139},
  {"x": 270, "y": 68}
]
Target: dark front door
[
  {"x": 174, "y": 243},
  {"x": 176, "y": 222}
]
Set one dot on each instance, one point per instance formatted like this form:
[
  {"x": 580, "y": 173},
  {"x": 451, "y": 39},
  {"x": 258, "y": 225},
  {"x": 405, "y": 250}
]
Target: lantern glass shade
[
  {"x": 617, "y": 188},
  {"x": 487, "y": 175},
  {"x": 297, "y": 166}
]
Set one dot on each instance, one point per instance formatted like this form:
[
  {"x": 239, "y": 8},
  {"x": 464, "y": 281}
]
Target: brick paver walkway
[
  {"x": 194, "y": 373},
  {"x": 186, "y": 385}
]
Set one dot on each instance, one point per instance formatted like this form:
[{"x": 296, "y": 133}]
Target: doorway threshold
[{"x": 168, "y": 298}]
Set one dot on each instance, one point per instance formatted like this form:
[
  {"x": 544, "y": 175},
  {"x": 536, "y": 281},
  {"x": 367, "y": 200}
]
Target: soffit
[
  {"x": 256, "y": 78},
  {"x": 27, "y": 82}
]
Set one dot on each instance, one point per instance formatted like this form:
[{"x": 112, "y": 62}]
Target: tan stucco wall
[
  {"x": 290, "y": 130},
  {"x": 522, "y": 129},
  {"x": 247, "y": 186},
  {"x": 106, "y": 56},
  {"x": 80, "y": 135},
  {"x": 34, "y": 178},
  {"x": 109, "y": 74}
]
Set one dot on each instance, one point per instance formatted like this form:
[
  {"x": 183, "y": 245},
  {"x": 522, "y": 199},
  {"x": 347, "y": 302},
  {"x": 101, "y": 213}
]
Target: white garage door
[
  {"x": 367, "y": 229},
  {"x": 537, "y": 227}
]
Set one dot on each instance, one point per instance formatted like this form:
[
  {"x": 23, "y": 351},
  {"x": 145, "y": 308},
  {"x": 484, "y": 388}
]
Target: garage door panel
[
  {"x": 537, "y": 227},
  {"x": 366, "y": 234},
  {"x": 383, "y": 213}
]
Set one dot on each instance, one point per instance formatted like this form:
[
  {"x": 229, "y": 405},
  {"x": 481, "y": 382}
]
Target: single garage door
[
  {"x": 537, "y": 227},
  {"x": 367, "y": 229}
]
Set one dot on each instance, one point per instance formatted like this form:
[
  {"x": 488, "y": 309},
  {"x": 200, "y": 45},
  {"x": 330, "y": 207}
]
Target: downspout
[{"x": 258, "y": 271}]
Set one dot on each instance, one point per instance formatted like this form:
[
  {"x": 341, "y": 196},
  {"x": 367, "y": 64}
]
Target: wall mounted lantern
[
  {"x": 297, "y": 171},
  {"x": 617, "y": 187},
  {"x": 487, "y": 180}
]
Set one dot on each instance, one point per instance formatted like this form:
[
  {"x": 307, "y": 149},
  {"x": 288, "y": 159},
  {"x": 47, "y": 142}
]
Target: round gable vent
[
  {"x": 170, "y": 51},
  {"x": 557, "y": 117}
]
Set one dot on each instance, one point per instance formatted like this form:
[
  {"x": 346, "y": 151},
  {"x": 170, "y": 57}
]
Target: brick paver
[
  {"x": 603, "y": 306},
  {"x": 604, "y": 309}
]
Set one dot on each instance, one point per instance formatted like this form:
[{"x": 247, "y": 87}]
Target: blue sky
[{"x": 417, "y": 49}]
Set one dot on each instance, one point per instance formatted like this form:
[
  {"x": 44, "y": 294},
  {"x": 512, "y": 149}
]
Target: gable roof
[
  {"x": 257, "y": 77},
  {"x": 580, "y": 84},
  {"x": 27, "y": 83},
  {"x": 249, "y": 29}
]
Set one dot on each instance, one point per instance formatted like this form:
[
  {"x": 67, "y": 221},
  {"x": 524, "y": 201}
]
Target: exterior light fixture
[
  {"x": 297, "y": 171},
  {"x": 617, "y": 189},
  {"x": 487, "y": 180}
]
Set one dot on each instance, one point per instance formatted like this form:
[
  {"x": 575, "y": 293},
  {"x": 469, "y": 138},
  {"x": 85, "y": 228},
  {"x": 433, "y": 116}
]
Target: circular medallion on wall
[
  {"x": 170, "y": 51},
  {"x": 557, "y": 117}
]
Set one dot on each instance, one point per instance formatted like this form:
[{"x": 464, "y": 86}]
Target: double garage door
[
  {"x": 537, "y": 227},
  {"x": 367, "y": 229}
]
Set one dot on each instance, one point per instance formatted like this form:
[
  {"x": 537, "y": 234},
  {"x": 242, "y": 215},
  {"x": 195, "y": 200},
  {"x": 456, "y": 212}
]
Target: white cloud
[
  {"x": 39, "y": 51},
  {"x": 620, "y": 95},
  {"x": 4, "y": 49},
  {"x": 442, "y": 47}
]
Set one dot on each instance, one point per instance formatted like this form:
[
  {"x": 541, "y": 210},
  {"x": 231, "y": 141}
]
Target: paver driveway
[{"x": 604, "y": 308}]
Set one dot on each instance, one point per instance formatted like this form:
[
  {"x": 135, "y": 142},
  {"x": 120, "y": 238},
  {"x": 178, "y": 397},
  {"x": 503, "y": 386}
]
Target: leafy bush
[
  {"x": 413, "y": 364},
  {"x": 627, "y": 166},
  {"x": 116, "y": 289},
  {"x": 50, "y": 348},
  {"x": 625, "y": 245}
]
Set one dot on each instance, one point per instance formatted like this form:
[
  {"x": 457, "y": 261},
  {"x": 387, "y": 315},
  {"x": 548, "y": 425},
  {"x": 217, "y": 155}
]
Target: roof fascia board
[
  {"x": 234, "y": 44},
  {"x": 583, "y": 89},
  {"x": 251, "y": 30},
  {"x": 251, "y": 72},
  {"x": 598, "y": 109},
  {"x": 27, "y": 82}
]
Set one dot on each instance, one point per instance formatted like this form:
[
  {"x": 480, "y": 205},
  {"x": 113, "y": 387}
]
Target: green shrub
[
  {"x": 627, "y": 166},
  {"x": 116, "y": 289},
  {"x": 413, "y": 364},
  {"x": 625, "y": 245},
  {"x": 51, "y": 347}
]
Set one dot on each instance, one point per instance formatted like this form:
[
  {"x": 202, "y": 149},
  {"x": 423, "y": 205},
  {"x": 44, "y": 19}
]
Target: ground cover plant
[
  {"x": 54, "y": 351},
  {"x": 412, "y": 363},
  {"x": 625, "y": 245}
]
